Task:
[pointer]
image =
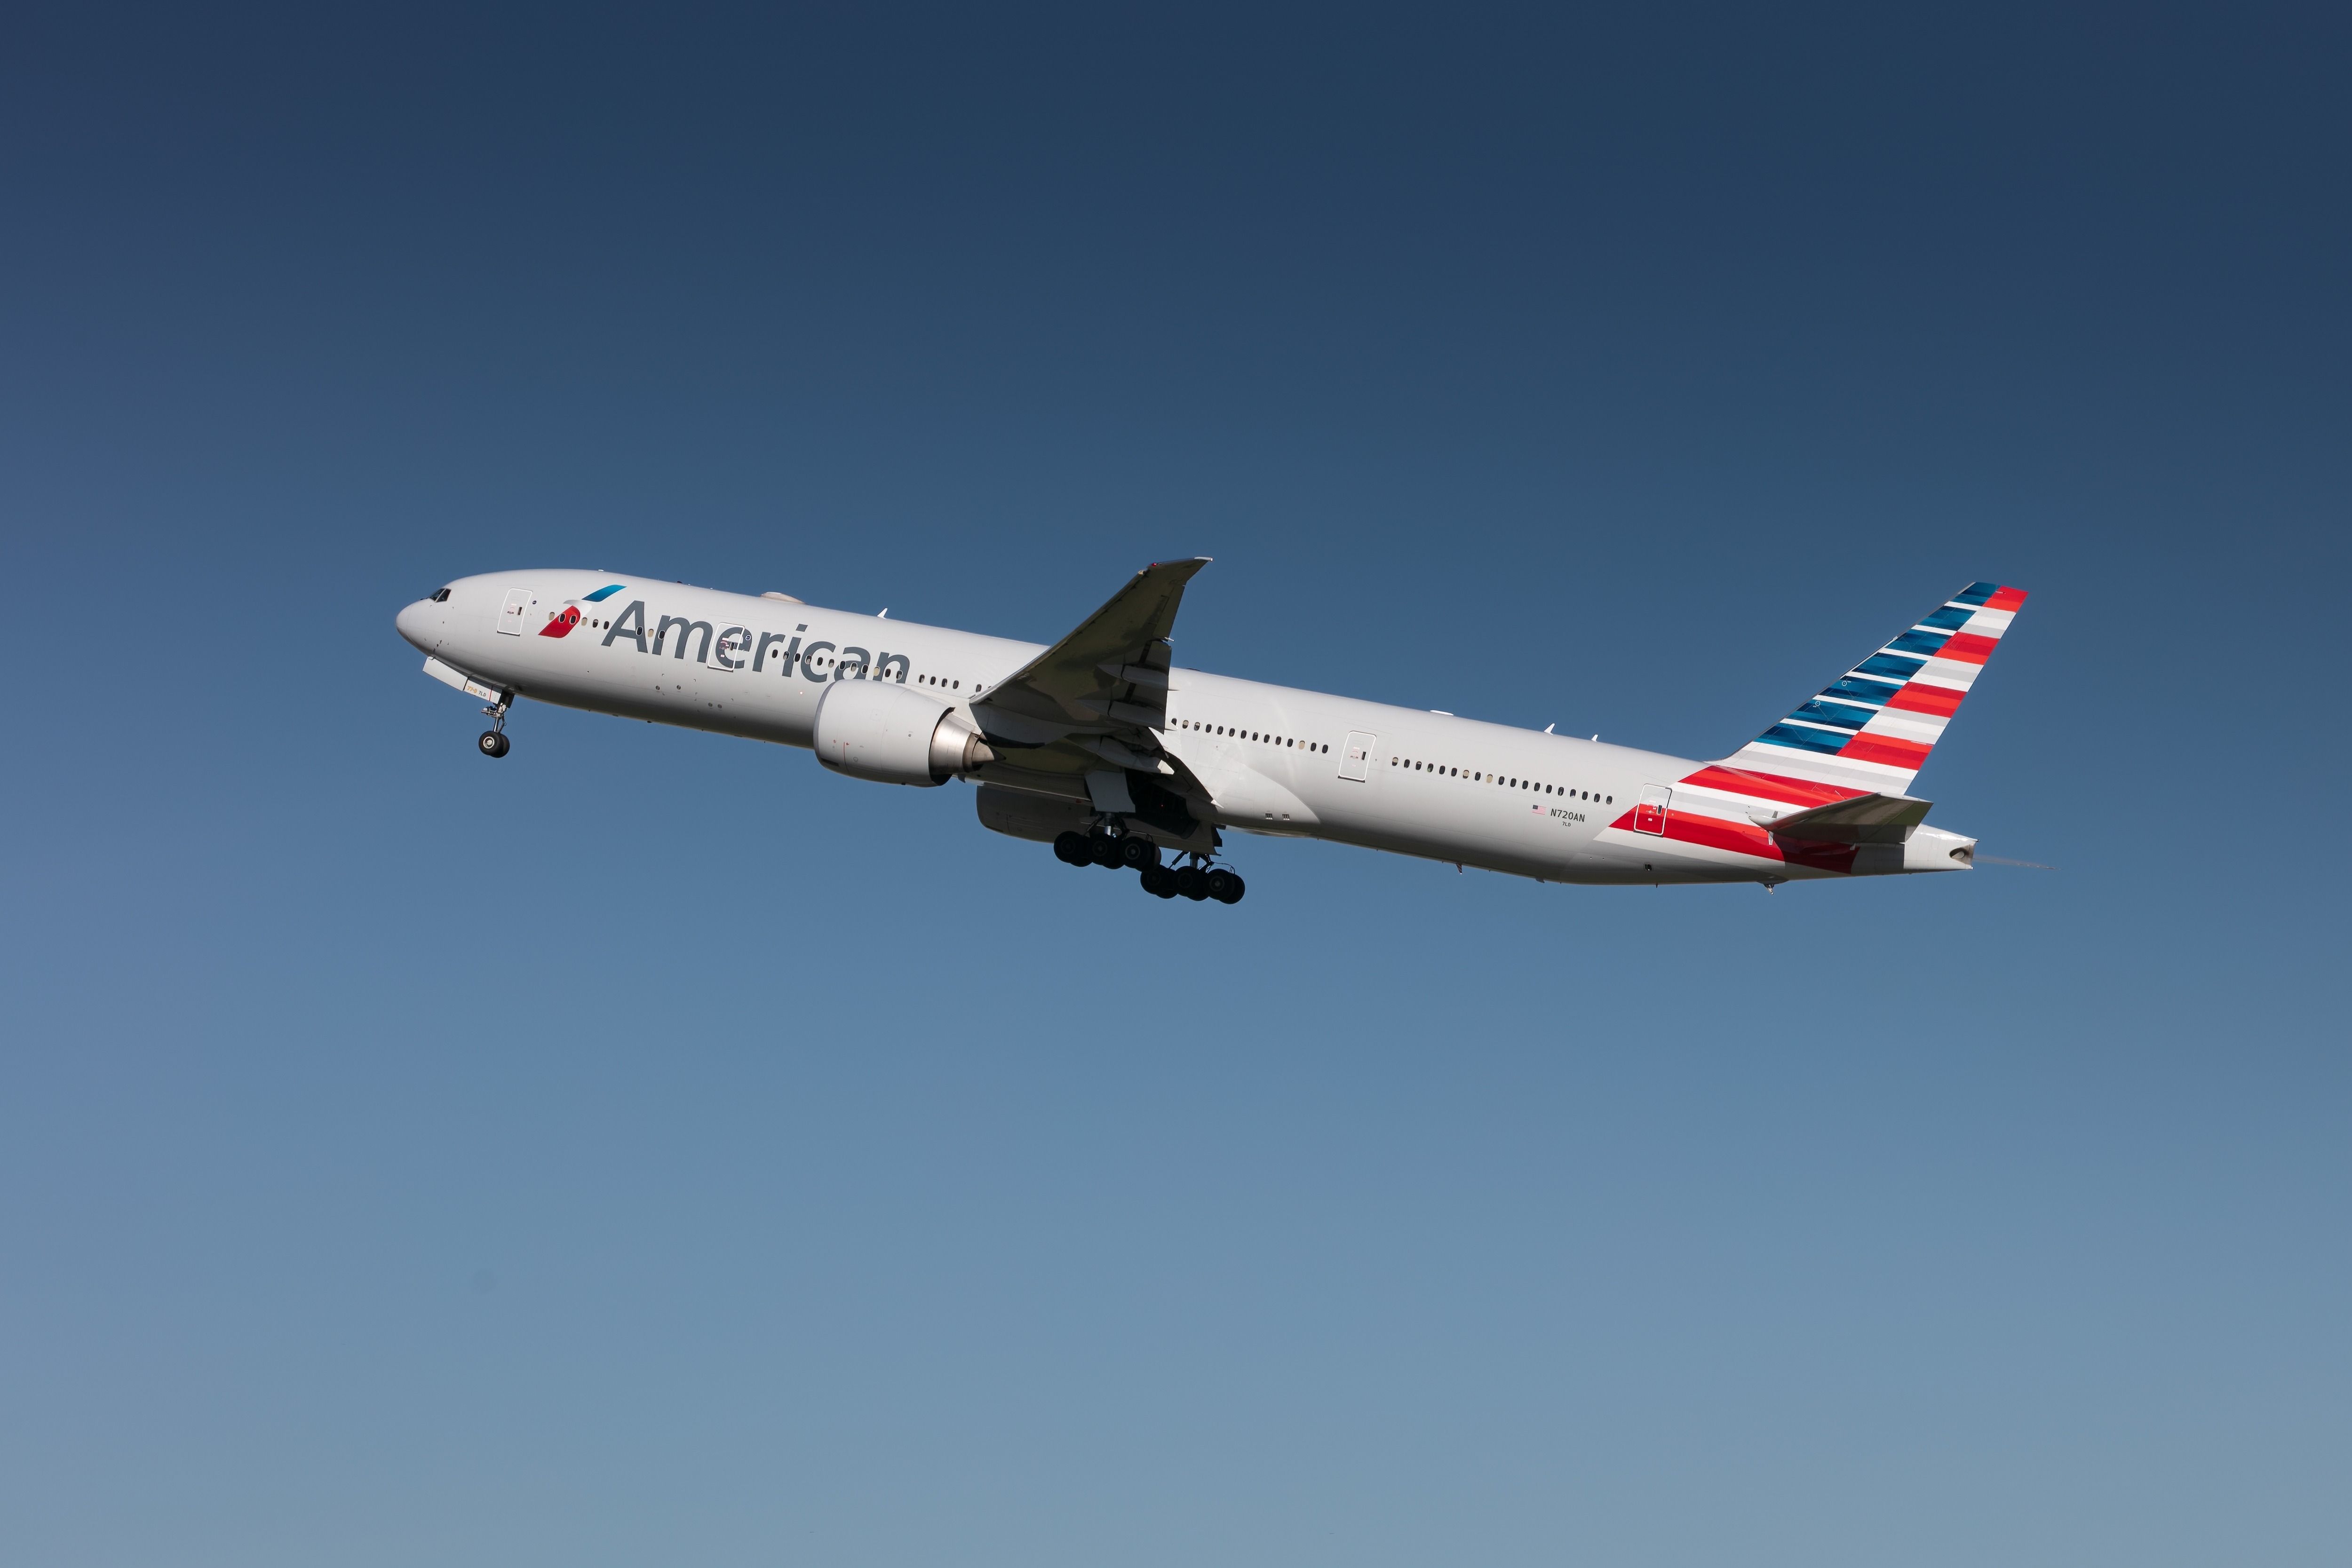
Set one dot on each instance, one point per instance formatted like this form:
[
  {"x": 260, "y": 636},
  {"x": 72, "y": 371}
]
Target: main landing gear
[
  {"x": 1196, "y": 878},
  {"x": 494, "y": 742}
]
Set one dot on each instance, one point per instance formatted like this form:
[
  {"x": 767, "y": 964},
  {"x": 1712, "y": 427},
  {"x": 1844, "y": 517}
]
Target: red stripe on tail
[
  {"x": 1886, "y": 748},
  {"x": 1967, "y": 648},
  {"x": 1917, "y": 697}
]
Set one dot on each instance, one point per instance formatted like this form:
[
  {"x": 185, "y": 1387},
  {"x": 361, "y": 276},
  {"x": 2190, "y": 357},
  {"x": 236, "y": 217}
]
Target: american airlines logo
[
  {"x": 735, "y": 647},
  {"x": 561, "y": 625}
]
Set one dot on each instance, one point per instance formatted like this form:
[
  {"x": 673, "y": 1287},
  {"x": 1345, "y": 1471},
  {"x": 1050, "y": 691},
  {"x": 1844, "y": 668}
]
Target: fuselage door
[
  {"x": 731, "y": 649},
  {"x": 1356, "y": 763},
  {"x": 1650, "y": 812},
  {"x": 512, "y": 612}
]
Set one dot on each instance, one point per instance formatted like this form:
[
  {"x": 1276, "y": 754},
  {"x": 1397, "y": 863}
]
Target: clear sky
[{"x": 651, "y": 1148}]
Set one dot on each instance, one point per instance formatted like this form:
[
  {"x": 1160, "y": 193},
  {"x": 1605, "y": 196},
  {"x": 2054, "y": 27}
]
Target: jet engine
[{"x": 886, "y": 733}]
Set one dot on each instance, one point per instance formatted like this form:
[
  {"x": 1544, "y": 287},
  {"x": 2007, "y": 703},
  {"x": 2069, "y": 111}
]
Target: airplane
[{"x": 1104, "y": 747}]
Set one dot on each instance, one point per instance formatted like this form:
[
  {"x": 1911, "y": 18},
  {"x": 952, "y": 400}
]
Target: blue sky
[{"x": 651, "y": 1147}]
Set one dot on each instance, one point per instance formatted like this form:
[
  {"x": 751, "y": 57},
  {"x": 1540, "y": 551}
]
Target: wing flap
[
  {"x": 1099, "y": 696},
  {"x": 1109, "y": 674}
]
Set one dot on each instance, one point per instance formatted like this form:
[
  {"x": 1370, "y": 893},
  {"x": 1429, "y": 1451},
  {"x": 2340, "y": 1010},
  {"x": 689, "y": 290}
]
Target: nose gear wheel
[{"x": 493, "y": 741}]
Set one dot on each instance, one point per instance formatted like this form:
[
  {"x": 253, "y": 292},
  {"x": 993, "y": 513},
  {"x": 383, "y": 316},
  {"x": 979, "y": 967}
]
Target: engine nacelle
[{"x": 883, "y": 731}]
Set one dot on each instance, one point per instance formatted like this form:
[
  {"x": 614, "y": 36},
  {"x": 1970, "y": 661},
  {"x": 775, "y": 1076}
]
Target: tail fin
[{"x": 1872, "y": 730}]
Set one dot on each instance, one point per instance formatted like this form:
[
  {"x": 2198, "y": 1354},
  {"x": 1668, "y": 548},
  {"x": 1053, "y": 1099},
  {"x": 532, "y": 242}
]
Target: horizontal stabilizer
[{"x": 1865, "y": 820}]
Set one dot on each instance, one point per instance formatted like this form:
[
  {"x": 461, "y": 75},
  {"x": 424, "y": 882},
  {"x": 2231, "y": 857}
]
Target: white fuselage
[{"x": 1274, "y": 760}]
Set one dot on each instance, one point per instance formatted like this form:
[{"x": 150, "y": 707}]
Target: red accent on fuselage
[
  {"x": 563, "y": 624},
  {"x": 1769, "y": 787},
  {"x": 1747, "y": 838}
]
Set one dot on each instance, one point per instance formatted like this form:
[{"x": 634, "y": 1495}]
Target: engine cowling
[{"x": 882, "y": 731}]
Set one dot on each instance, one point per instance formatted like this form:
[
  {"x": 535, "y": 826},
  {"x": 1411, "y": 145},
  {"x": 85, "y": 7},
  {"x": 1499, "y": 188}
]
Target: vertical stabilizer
[{"x": 1870, "y": 730}]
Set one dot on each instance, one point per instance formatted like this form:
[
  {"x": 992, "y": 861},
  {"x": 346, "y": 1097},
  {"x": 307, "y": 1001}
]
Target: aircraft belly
[
  {"x": 1249, "y": 799},
  {"x": 662, "y": 690},
  {"x": 1510, "y": 832}
]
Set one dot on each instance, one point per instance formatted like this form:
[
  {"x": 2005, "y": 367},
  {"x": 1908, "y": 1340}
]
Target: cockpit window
[{"x": 441, "y": 596}]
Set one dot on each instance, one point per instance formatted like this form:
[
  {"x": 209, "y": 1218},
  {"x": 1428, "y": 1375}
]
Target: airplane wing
[
  {"x": 1096, "y": 700},
  {"x": 1865, "y": 820}
]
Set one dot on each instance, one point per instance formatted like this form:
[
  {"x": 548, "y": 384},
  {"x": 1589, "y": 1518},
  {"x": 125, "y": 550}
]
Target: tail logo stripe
[
  {"x": 1838, "y": 714},
  {"x": 1915, "y": 641},
  {"x": 1967, "y": 645},
  {"x": 1823, "y": 740},
  {"x": 1883, "y": 717},
  {"x": 1917, "y": 697}
]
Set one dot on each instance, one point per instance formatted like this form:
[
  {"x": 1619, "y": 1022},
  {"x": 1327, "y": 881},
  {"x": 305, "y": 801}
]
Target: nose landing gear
[{"x": 493, "y": 741}]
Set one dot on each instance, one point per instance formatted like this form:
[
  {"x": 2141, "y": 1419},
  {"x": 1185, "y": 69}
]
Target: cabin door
[{"x": 511, "y": 613}]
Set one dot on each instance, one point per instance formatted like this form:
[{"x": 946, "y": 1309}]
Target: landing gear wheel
[
  {"x": 1139, "y": 851},
  {"x": 1103, "y": 850},
  {"x": 1192, "y": 882},
  {"x": 493, "y": 743},
  {"x": 1225, "y": 887},
  {"x": 1158, "y": 882},
  {"x": 1072, "y": 849}
]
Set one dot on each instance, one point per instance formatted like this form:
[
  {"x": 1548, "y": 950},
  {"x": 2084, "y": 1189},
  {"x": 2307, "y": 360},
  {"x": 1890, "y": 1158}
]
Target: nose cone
[{"x": 418, "y": 623}]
